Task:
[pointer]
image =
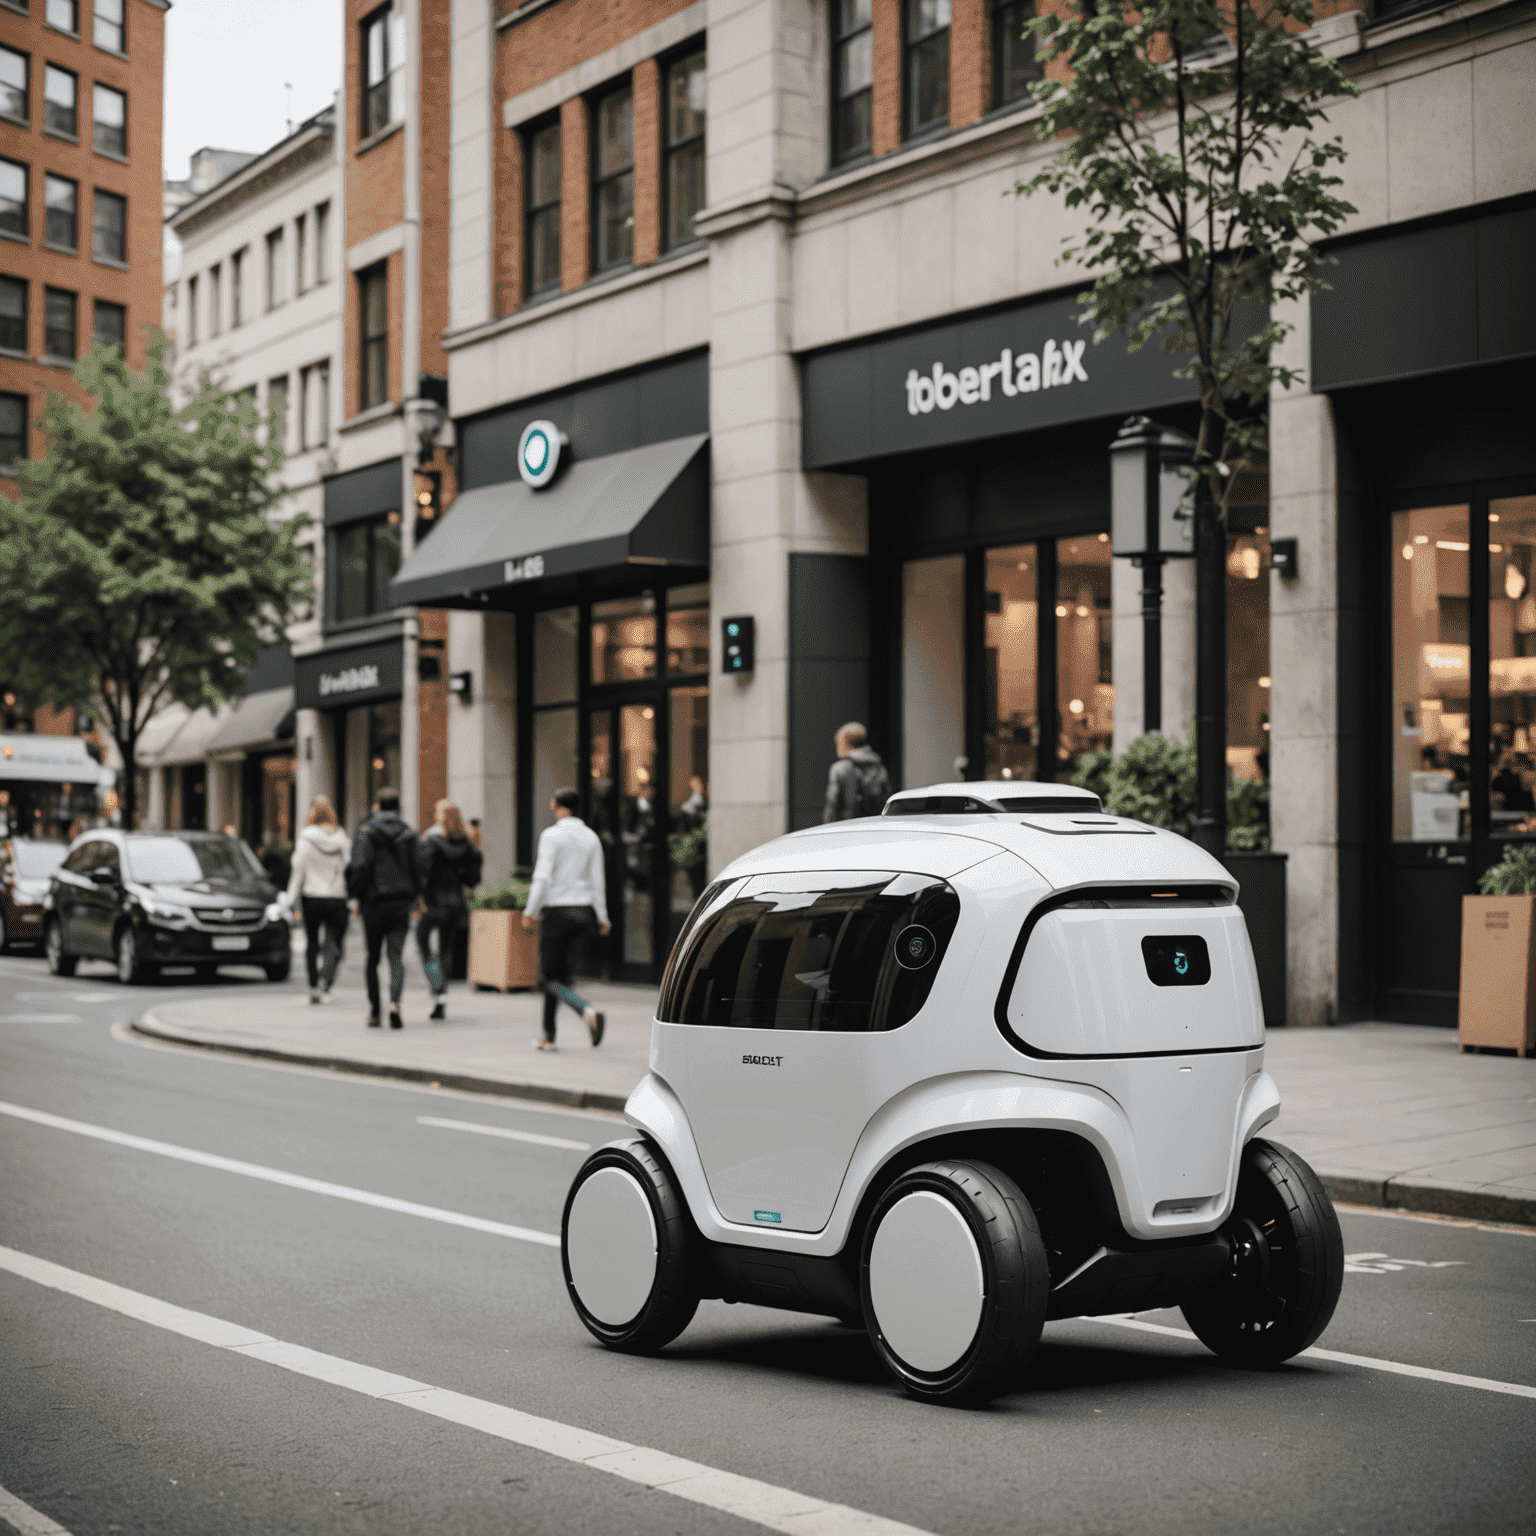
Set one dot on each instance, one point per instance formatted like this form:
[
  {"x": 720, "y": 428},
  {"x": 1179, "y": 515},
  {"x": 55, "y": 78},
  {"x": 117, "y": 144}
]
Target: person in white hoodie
[{"x": 319, "y": 878}]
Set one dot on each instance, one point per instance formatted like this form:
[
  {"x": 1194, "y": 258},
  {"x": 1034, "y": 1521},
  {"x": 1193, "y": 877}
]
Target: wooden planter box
[
  {"x": 1498, "y": 999},
  {"x": 502, "y": 953}
]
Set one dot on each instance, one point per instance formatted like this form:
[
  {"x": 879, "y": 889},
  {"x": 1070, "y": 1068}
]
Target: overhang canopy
[
  {"x": 159, "y": 732},
  {"x": 256, "y": 719},
  {"x": 190, "y": 743},
  {"x": 50, "y": 760},
  {"x": 644, "y": 506}
]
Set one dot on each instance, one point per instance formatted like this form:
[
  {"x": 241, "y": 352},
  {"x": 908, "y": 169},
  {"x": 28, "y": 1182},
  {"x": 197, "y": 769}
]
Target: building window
[
  {"x": 237, "y": 289},
  {"x": 365, "y": 556},
  {"x": 853, "y": 79},
  {"x": 13, "y": 314},
  {"x": 315, "y": 406},
  {"x": 215, "y": 301},
  {"x": 59, "y": 323},
  {"x": 277, "y": 410},
  {"x": 322, "y": 232},
  {"x": 109, "y": 31},
  {"x": 109, "y": 230},
  {"x": 111, "y": 325},
  {"x": 543, "y": 198},
  {"x": 13, "y": 199},
  {"x": 62, "y": 198},
  {"x": 613, "y": 181},
  {"x": 61, "y": 102},
  {"x": 13, "y": 428},
  {"x": 1014, "y": 67},
  {"x": 927, "y": 59},
  {"x": 15, "y": 96},
  {"x": 300, "y": 253},
  {"x": 685, "y": 147},
  {"x": 274, "y": 269},
  {"x": 109, "y": 121},
  {"x": 191, "y": 311},
  {"x": 383, "y": 62},
  {"x": 65, "y": 15},
  {"x": 373, "y": 304}
]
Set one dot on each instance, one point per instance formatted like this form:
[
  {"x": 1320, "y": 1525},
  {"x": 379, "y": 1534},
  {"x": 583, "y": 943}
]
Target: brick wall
[
  {"x": 648, "y": 130},
  {"x": 575, "y": 223},
  {"x": 970, "y": 62},
  {"x": 436, "y": 54},
  {"x": 432, "y": 703},
  {"x": 885, "y": 104}
]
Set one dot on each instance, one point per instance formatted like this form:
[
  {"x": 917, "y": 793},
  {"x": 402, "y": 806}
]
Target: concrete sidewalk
[{"x": 1388, "y": 1114}]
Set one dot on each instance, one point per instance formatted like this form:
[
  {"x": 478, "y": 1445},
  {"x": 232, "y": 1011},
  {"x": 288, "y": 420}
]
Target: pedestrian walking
[
  {"x": 382, "y": 878},
  {"x": 446, "y": 862},
  {"x": 568, "y": 902},
  {"x": 857, "y": 783},
  {"x": 318, "y": 880}
]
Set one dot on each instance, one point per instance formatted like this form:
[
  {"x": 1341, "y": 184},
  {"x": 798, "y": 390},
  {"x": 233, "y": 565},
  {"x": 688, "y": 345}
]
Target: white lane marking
[
  {"x": 780, "y": 1509},
  {"x": 101, "y": 995},
  {"x": 25, "y": 1519},
  {"x": 1453, "y": 1378},
  {"x": 277, "y": 1176},
  {"x": 500, "y": 1130},
  {"x": 39, "y": 1018},
  {"x": 1380, "y": 1264}
]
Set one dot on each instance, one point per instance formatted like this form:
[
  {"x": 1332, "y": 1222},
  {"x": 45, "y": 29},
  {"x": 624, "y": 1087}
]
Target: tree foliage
[
  {"x": 1189, "y": 133},
  {"x": 141, "y": 565}
]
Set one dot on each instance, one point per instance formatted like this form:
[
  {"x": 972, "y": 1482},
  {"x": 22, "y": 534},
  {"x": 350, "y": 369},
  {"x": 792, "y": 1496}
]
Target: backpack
[
  {"x": 383, "y": 878},
  {"x": 871, "y": 788}
]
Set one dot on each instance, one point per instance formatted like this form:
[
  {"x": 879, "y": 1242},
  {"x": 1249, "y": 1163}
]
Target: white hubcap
[
  {"x": 610, "y": 1244},
  {"x": 925, "y": 1282}
]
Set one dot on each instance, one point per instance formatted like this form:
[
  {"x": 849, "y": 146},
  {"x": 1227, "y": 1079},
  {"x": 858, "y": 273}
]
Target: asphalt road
[{"x": 115, "y": 1420}]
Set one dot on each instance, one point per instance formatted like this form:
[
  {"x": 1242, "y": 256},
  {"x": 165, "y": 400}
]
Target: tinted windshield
[
  {"x": 36, "y": 861},
  {"x": 172, "y": 861}
]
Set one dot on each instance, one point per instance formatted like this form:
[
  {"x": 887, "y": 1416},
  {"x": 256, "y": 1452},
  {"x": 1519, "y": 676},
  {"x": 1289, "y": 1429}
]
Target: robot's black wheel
[
  {"x": 1287, "y": 1264},
  {"x": 954, "y": 1281},
  {"x": 624, "y": 1248}
]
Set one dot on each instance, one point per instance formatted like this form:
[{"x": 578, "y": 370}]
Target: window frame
[
  {"x": 275, "y": 259},
  {"x": 300, "y": 254},
  {"x": 910, "y": 48},
  {"x": 1026, "y": 10},
  {"x": 843, "y": 153},
  {"x": 192, "y": 310},
  {"x": 374, "y": 602},
  {"x": 56, "y": 245},
  {"x": 673, "y": 150},
  {"x": 25, "y": 232},
  {"x": 322, "y": 232},
  {"x": 371, "y": 343},
  {"x": 97, "y": 306},
  {"x": 598, "y": 179},
  {"x": 25, "y": 117},
  {"x": 237, "y": 287},
  {"x": 120, "y": 47},
  {"x": 25, "y": 287},
  {"x": 391, "y": 29},
  {"x": 216, "y": 299},
  {"x": 25, "y": 433},
  {"x": 48, "y": 20},
  {"x": 101, "y": 197},
  {"x": 50, "y": 293},
  {"x": 278, "y": 384},
  {"x": 533, "y": 211},
  {"x": 98, "y": 89},
  {"x": 70, "y": 135}
]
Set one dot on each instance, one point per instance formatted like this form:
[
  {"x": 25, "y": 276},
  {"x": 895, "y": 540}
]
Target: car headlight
[
  {"x": 275, "y": 912},
  {"x": 167, "y": 913}
]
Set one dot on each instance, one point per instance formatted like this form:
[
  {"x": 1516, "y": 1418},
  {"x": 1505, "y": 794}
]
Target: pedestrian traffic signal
[{"x": 738, "y": 643}]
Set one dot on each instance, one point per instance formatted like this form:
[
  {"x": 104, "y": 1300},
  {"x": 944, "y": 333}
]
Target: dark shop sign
[
  {"x": 972, "y": 377},
  {"x": 365, "y": 674}
]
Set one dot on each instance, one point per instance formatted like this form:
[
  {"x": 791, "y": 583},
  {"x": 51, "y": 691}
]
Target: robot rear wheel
[
  {"x": 954, "y": 1282},
  {"x": 624, "y": 1248},
  {"x": 1287, "y": 1264}
]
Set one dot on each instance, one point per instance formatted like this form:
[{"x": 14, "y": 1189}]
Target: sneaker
[
  {"x": 314, "y": 996},
  {"x": 595, "y": 1024},
  {"x": 395, "y": 1021},
  {"x": 373, "y": 1021},
  {"x": 439, "y": 1012},
  {"x": 541, "y": 1044}
]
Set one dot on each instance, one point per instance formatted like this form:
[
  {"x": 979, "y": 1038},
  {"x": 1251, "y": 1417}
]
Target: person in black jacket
[
  {"x": 446, "y": 863},
  {"x": 382, "y": 878}
]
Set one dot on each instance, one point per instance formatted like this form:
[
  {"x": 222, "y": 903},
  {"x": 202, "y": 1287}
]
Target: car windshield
[
  {"x": 177, "y": 861},
  {"x": 36, "y": 861}
]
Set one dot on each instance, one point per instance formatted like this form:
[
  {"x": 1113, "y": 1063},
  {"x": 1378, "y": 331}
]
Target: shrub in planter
[
  {"x": 1513, "y": 875},
  {"x": 502, "y": 953},
  {"x": 510, "y": 896},
  {"x": 1497, "y": 1004}
]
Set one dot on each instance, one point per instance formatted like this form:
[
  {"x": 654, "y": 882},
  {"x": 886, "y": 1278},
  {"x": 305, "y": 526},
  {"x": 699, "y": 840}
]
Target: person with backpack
[
  {"x": 857, "y": 784},
  {"x": 319, "y": 879},
  {"x": 382, "y": 878},
  {"x": 446, "y": 862}
]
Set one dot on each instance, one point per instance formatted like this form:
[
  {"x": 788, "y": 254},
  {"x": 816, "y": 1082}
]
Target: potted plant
[
  {"x": 1498, "y": 1000},
  {"x": 502, "y": 953}
]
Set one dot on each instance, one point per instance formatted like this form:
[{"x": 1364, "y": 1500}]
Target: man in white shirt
[{"x": 567, "y": 902}]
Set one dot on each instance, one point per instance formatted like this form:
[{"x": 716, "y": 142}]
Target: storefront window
[
  {"x": 688, "y": 630},
  {"x": 1431, "y": 674},
  {"x": 624, "y": 639},
  {"x": 554, "y": 655},
  {"x": 278, "y": 778},
  {"x": 1085, "y": 690},
  {"x": 1512, "y": 664},
  {"x": 1248, "y": 655},
  {"x": 383, "y": 749},
  {"x": 1010, "y": 697},
  {"x": 554, "y": 760},
  {"x": 933, "y": 670},
  {"x": 688, "y": 801}
]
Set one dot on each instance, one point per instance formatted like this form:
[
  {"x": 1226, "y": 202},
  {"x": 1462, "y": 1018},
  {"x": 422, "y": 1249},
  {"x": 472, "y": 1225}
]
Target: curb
[
  {"x": 1469, "y": 1204},
  {"x": 573, "y": 1097}
]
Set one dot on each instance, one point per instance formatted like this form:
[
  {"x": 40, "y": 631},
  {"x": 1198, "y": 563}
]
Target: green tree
[{"x": 141, "y": 565}]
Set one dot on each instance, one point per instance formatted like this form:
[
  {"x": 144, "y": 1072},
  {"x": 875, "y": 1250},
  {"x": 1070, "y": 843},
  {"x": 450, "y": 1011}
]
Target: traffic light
[{"x": 738, "y": 643}]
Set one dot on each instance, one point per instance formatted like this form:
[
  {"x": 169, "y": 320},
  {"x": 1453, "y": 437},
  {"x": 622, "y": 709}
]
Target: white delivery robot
[{"x": 991, "y": 1058}]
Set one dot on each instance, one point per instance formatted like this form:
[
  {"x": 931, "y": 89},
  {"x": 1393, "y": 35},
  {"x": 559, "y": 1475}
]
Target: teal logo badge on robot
[
  {"x": 1181, "y": 962},
  {"x": 539, "y": 450},
  {"x": 766, "y": 1216}
]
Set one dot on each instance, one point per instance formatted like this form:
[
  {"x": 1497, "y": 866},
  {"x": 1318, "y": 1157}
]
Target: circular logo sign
[
  {"x": 538, "y": 453},
  {"x": 915, "y": 947}
]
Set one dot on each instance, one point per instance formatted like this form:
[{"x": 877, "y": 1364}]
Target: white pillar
[{"x": 482, "y": 735}]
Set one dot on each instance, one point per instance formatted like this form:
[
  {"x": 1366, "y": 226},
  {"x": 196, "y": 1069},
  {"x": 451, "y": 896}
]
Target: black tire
[
  {"x": 5, "y": 934},
  {"x": 131, "y": 967},
  {"x": 279, "y": 970},
  {"x": 204, "y": 973},
  {"x": 59, "y": 962},
  {"x": 1015, "y": 1282},
  {"x": 1287, "y": 1267},
  {"x": 674, "y": 1296}
]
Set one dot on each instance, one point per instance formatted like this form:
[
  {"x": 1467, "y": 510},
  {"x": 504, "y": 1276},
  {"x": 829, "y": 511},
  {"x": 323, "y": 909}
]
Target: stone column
[{"x": 482, "y": 734}]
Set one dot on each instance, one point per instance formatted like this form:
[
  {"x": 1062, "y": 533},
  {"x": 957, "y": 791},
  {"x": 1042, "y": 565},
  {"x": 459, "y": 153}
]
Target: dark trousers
[
  {"x": 386, "y": 925},
  {"x": 563, "y": 933},
  {"x": 325, "y": 937},
  {"x": 447, "y": 923}
]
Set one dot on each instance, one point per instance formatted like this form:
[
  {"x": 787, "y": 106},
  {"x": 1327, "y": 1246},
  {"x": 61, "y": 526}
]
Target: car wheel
[
  {"x": 624, "y": 1241},
  {"x": 205, "y": 972},
  {"x": 279, "y": 970},
  {"x": 1287, "y": 1264},
  {"x": 59, "y": 963},
  {"x": 131, "y": 970},
  {"x": 955, "y": 1282}
]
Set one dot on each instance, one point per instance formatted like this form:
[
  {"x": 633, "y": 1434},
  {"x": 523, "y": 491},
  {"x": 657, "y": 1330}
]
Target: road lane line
[
  {"x": 499, "y": 1130},
  {"x": 39, "y": 1018},
  {"x": 277, "y": 1176},
  {"x": 23, "y": 1518},
  {"x": 1394, "y": 1367},
  {"x": 780, "y": 1509}
]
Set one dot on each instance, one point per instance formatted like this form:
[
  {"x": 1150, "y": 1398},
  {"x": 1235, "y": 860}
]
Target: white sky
[{"x": 225, "y": 65}]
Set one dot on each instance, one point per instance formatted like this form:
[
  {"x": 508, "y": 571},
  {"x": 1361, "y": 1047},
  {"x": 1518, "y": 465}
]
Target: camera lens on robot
[{"x": 915, "y": 947}]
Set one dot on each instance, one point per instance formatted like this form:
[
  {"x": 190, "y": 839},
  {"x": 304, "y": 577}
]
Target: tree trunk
[{"x": 128, "y": 797}]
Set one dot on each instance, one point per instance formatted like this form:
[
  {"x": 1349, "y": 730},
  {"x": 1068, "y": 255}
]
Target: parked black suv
[{"x": 150, "y": 899}]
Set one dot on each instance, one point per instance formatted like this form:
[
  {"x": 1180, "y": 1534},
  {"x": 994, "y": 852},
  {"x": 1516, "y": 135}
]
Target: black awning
[{"x": 644, "y": 506}]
